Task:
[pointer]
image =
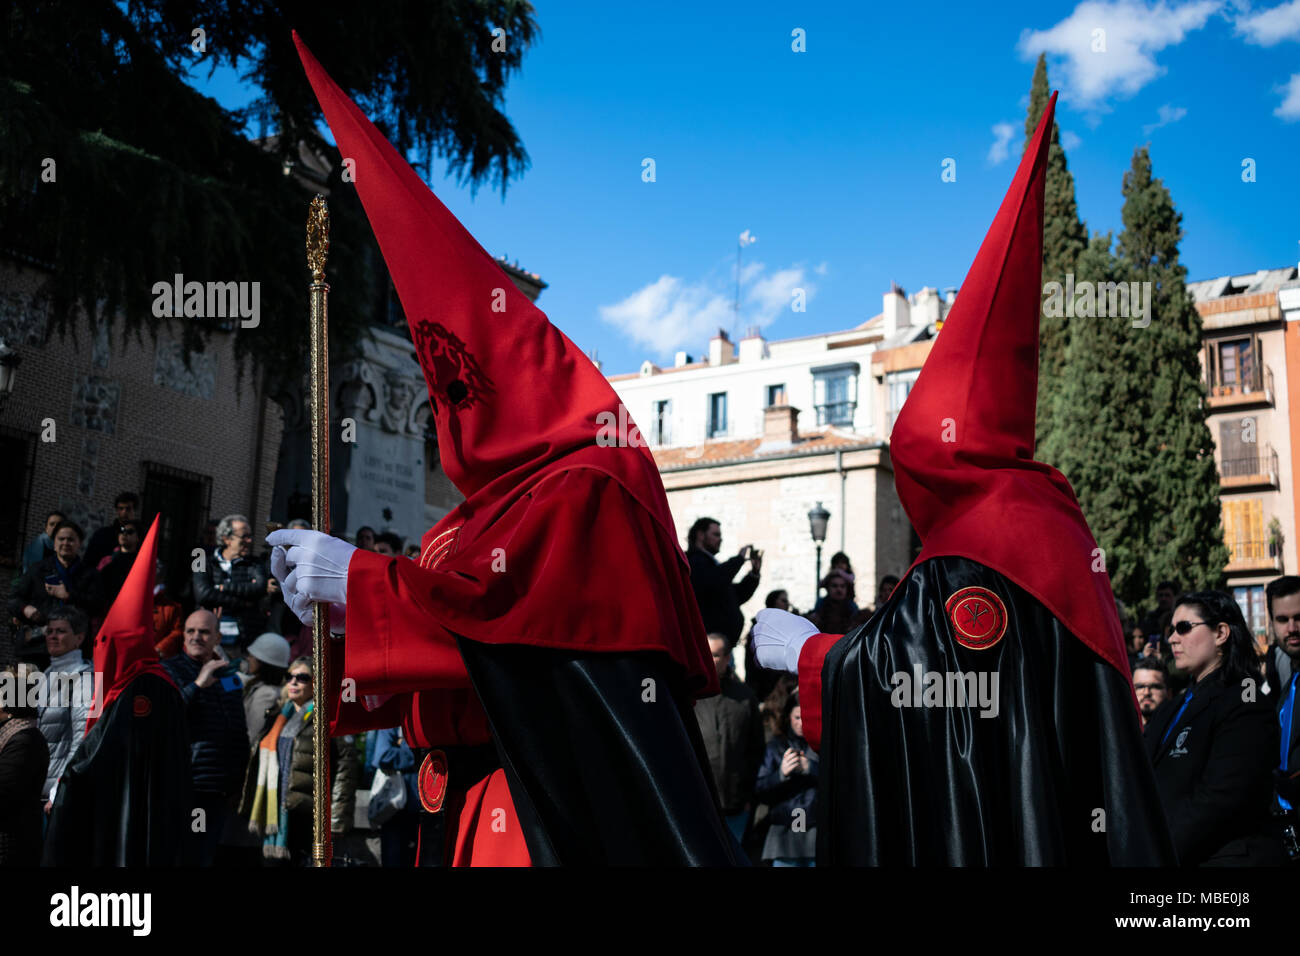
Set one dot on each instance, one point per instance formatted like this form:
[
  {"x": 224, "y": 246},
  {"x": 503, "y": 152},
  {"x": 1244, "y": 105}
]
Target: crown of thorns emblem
[{"x": 454, "y": 375}]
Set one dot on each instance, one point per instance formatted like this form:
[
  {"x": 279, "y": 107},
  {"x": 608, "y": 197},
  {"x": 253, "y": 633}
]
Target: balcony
[
  {"x": 836, "y": 413},
  {"x": 1251, "y": 555},
  {"x": 1256, "y": 471},
  {"x": 1254, "y": 388}
]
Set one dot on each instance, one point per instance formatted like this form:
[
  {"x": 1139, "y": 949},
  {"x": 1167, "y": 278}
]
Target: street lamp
[
  {"x": 9, "y": 360},
  {"x": 817, "y": 519}
]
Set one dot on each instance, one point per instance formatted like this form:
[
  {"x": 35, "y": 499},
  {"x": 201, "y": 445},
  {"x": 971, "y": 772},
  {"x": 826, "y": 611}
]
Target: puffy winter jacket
[
  {"x": 62, "y": 721},
  {"x": 218, "y": 734}
]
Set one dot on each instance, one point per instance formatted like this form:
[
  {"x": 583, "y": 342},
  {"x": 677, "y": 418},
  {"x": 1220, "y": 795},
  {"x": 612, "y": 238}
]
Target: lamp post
[{"x": 817, "y": 519}]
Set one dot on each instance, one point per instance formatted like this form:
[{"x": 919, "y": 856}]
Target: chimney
[
  {"x": 897, "y": 311},
  {"x": 928, "y": 309},
  {"x": 780, "y": 428},
  {"x": 721, "y": 351},
  {"x": 681, "y": 359},
  {"x": 753, "y": 347}
]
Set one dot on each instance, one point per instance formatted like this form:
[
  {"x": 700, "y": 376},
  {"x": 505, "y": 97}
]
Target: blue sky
[{"x": 832, "y": 157}]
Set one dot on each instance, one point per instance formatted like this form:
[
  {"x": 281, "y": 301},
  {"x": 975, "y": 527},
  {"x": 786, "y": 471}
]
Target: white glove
[
  {"x": 778, "y": 638},
  {"x": 312, "y": 567}
]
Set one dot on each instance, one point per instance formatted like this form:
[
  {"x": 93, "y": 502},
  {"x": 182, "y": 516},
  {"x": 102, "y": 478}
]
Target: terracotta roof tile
[{"x": 746, "y": 449}]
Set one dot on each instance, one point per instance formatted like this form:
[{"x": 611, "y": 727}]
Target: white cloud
[
  {"x": 1168, "y": 114},
  {"x": 671, "y": 313},
  {"x": 1270, "y": 27},
  {"x": 1109, "y": 47},
  {"x": 1000, "y": 150},
  {"x": 1290, "y": 107},
  {"x": 1070, "y": 141}
]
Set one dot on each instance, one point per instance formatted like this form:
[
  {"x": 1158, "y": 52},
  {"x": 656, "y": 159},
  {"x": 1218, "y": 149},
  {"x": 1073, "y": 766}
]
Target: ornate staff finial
[{"x": 318, "y": 237}]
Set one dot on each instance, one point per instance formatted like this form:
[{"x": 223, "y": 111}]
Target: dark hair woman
[
  {"x": 787, "y": 782},
  {"x": 1215, "y": 745},
  {"x": 24, "y": 761}
]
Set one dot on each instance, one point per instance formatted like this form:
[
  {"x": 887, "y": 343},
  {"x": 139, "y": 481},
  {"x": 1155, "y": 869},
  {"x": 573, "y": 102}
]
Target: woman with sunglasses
[
  {"x": 278, "y": 787},
  {"x": 1215, "y": 745}
]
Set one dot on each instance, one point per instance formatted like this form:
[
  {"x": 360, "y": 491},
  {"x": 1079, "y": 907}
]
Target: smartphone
[{"x": 52, "y": 579}]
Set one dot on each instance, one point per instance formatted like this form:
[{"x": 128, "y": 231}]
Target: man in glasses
[
  {"x": 1151, "y": 684},
  {"x": 232, "y": 582}
]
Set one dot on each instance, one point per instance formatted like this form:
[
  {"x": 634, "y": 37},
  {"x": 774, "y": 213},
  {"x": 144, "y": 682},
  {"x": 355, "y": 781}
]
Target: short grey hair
[
  {"x": 227, "y": 526},
  {"x": 76, "y": 618}
]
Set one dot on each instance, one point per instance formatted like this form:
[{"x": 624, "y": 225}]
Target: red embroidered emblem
[
  {"x": 978, "y": 617},
  {"x": 433, "y": 781},
  {"x": 439, "y": 548},
  {"x": 141, "y": 706}
]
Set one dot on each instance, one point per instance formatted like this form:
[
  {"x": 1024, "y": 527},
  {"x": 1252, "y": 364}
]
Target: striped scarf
[{"x": 268, "y": 818}]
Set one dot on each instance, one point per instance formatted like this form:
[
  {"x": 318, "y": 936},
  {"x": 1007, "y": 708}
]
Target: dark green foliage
[
  {"x": 1185, "y": 541},
  {"x": 154, "y": 179},
  {"x": 1064, "y": 239},
  {"x": 1130, "y": 431}
]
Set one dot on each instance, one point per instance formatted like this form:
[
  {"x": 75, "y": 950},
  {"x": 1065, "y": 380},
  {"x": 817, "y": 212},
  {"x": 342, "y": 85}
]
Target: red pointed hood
[
  {"x": 963, "y": 444},
  {"x": 509, "y": 390},
  {"x": 532, "y": 434},
  {"x": 124, "y": 647}
]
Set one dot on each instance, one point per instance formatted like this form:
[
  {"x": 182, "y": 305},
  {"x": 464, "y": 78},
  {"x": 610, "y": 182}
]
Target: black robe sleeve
[
  {"x": 124, "y": 797},
  {"x": 1056, "y": 774}
]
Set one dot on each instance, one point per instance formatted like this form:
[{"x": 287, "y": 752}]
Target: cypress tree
[
  {"x": 1185, "y": 539},
  {"x": 1064, "y": 239},
  {"x": 1100, "y": 429}
]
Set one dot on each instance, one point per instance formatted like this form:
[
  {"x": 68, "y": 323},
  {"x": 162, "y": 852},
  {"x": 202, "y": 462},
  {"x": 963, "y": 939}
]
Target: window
[
  {"x": 899, "y": 385},
  {"x": 184, "y": 499},
  {"x": 1236, "y": 362},
  {"x": 1243, "y": 531},
  {"x": 1254, "y": 608},
  {"x": 1235, "y": 366},
  {"x": 717, "y": 414},
  {"x": 835, "y": 393},
  {"x": 663, "y": 422},
  {"x": 775, "y": 395}
]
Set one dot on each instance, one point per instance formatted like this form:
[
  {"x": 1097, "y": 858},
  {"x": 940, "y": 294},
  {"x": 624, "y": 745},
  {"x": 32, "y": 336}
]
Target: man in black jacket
[
  {"x": 718, "y": 597},
  {"x": 732, "y": 729},
  {"x": 214, "y": 706},
  {"x": 234, "y": 582},
  {"x": 1283, "y": 675}
]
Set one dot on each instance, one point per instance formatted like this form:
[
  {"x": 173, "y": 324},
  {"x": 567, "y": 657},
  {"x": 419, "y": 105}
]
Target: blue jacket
[
  {"x": 219, "y": 745},
  {"x": 391, "y": 755}
]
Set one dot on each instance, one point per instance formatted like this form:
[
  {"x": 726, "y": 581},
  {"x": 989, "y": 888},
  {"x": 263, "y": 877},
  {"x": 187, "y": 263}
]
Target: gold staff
[{"x": 318, "y": 247}]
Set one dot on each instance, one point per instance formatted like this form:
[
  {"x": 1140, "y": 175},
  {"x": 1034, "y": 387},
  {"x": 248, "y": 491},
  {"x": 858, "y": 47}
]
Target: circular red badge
[
  {"x": 978, "y": 617},
  {"x": 141, "y": 706},
  {"x": 433, "y": 781}
]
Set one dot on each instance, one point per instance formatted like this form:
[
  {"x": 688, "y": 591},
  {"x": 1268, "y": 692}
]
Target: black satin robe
[
  {"x": 600, "y": 773},
  {"x": 124, "y": 797},
  {"x": 942, "y": 785}
]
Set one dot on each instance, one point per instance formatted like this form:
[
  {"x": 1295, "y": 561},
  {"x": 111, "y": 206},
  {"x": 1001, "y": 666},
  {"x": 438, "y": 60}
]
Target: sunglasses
[
  {"x": 1185, "y": 627},
  {"x": 299, "y": 678},
  {"x": 127, "y": 531}
]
